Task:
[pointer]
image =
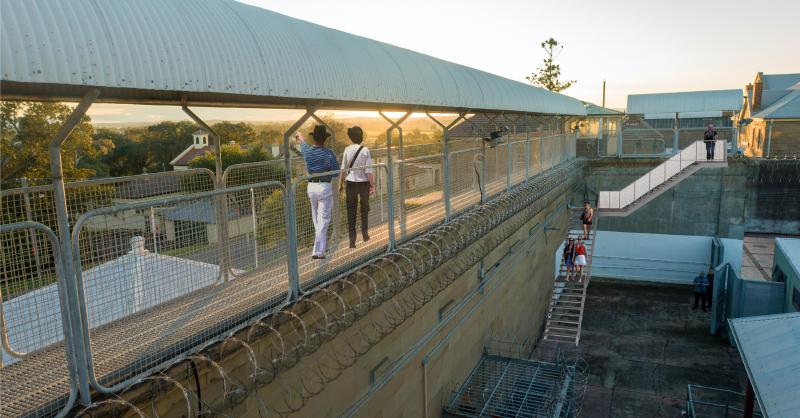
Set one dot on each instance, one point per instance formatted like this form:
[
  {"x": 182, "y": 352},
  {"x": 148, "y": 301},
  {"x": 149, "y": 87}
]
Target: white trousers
[{"x": 321, "y": 196}]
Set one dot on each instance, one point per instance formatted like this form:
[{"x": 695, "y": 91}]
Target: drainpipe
[
  {"x": 77, "y": 339},
  {"x": 425, "y": 388},
  {"x": 769, "y": 137}
]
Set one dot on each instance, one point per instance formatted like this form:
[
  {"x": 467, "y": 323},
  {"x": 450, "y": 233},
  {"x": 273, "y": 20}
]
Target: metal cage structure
[{"x": 107, "y": 281}]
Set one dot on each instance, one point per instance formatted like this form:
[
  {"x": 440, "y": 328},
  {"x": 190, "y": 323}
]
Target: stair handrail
[{"x": 660, "y": 174}]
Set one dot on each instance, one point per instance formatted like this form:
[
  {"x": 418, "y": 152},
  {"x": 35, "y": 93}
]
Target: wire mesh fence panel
[
  {"x": 36, "y": 203},
  {"x": 250, "y": 173},
  {"x": 535, "y": 157},
  {"x": 148, "y": 301},
  {"x": 465, "y": 168},
  {"x": 518, "y": 161},
  {"x": 34, "y": 372},
  {"x": 495, "y": 163},
  {"x": 422, "y": 192},
  {"x": 330, "y": 219}
]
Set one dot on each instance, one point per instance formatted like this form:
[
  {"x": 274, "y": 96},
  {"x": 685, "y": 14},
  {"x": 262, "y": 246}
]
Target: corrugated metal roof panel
[
  {"x": 156, "y": 50},
  {"x": 780, "y": 81},
  {"x": 688, "y": 101},
  {"x": 787, "y": 107},
  {"x": 769, "y": 348},
  {"x": 595, "y": 110}
]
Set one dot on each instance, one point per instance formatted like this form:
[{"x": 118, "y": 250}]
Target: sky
[{"x": 636, "y": 46}]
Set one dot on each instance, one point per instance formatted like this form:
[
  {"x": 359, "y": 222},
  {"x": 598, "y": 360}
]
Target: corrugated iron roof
[
  {"x": 687, "y": 101},
  {"x": 227, "y": 53},
  {"x": 595, "y": 110},
  {"x": 787, "y": 107},
  {"x": 780, "y": 81},
  {"x": 769, "y": 348},
  {"x": 790, "y": 247}
]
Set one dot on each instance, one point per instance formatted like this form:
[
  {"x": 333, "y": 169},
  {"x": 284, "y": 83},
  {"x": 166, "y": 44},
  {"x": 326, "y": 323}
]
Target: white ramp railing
[{"x": 693, "y": 154}]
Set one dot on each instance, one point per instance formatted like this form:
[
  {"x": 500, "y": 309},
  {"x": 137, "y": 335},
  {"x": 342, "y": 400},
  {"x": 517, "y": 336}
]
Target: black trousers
[
  {"x": 701, "y": 298},
  {"x": 357, "y": 194},
  {"x": 710, "y": 149}
]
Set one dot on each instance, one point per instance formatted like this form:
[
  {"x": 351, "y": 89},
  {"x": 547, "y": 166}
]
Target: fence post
[
  {"x": 290, "y": 209},
  {"x": 541, "y": 151},
  {"x": 676, "y": 134},
  {"x": 508, "y": 155},
  {"x": 220, "y": 211},
  {"x": 390, "y": 174},
  {"x": 446, "y": 161},
  {"x": 527, "y": 149},
  {"x": 79, "y": 341}
]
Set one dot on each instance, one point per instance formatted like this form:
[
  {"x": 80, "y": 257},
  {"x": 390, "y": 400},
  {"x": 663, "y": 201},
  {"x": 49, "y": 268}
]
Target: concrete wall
[
  {"x": 711, "y": 202},
  {"x": 773, "y": 204},
  {"x": 657, "y": 257},
  {"x": 385, "y": 372}
]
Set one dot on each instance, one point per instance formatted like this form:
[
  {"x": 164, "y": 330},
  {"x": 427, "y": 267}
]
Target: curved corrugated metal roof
[
  {"x": 227, "y": 53},
  {"x": 687, "y": 101}
]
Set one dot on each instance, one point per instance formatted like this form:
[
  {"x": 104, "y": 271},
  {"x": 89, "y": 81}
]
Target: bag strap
[{"x": 355, "y": 156}]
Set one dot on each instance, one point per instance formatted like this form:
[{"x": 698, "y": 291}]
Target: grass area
[
  {"x": 14, "y": 288},
  {"x": 177, "y": 252}
]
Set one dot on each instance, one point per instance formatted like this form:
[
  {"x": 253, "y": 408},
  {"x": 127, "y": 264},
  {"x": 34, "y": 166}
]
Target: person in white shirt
[{"x": 358, "y": 185}]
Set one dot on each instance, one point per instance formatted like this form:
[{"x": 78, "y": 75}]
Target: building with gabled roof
[
  {"x": 199, "y": 147},
  {"x": 770, "y": 116}
]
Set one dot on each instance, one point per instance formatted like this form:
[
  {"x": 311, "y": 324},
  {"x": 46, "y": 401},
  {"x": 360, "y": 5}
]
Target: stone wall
[{"x": 359, "y": 343}]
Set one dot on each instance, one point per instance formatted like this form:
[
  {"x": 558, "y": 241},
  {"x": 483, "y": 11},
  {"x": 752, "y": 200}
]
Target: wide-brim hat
[{"x": 320, "y": 133}]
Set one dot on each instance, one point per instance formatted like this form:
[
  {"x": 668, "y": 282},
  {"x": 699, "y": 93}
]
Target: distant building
[
  {"x": 679, "y": 118},
  {"x": 199, "y": 147},
  {"x": 596, "y": 129},
  {"x": 771, "y": 116}
]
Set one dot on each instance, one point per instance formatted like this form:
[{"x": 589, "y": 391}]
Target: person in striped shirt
[{"x": 319, "y": 159}]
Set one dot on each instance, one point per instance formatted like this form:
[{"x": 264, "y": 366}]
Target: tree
[
  {"x": 241, "y": 133},
  {"x": 231, "y": 154},
  {"x": 548, "y": 74}
]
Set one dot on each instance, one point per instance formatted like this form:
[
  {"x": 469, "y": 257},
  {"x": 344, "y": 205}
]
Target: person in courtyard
[
  {"x": 358, "y": 184},
  {"x": 586, "y": 217},
  {"x": 580, "y": 258},
  {"x": 710, "y": 292},
  {"x": 319, "y": 159},
  {"x": 567, "y": 257},
  {"x": 700, "y": 290},
  {"x": 709, "y": 137}
]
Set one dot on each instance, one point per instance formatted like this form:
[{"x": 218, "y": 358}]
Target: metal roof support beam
[
  {"x": 220, "y": 203},
  {"x": 390, "y": 192},
  {"x": 769, "y": 136},
  {"x": 291, "y": 217},
  {"x": 446, "y": 158},
  {"x": 77, "y": 338}
]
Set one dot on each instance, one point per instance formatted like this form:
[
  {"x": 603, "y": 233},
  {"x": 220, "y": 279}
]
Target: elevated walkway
[
  {"x": 660, "y": 179},
  {"x": 565, "y": 314}
]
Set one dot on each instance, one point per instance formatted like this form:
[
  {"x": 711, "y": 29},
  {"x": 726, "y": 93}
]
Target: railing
[
  {"x": 166, "y": 262},
  {"x": 695, "y": 153},
  {"x": 703, "y": 401}
]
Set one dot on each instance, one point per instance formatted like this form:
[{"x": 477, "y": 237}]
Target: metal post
[
  {"x": 291, "y": 208},
  {"x": 78, "y": 342},
  {"x": 676, "y": 134},
  {"x": 508, "y": 154},
  {"x": 620, "y": 126},
  {"x": 527, "y": 148},
  {"x": 446, "y": 156},
  {"x": 220, "y": 203},
  {"x": 389, "y": 171},
  {"x": 153, "y": 229},
  {"x": 255, "y": 225},
  {"x": 34, "y": 241},
  {"x": 541, "y": 151},
  {"x": 769, "y": 137},
  {"x": 749, "y": 400}
]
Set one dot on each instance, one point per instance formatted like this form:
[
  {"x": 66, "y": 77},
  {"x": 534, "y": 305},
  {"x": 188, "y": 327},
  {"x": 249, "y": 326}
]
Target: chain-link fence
[{"x": 166, "y": 262}]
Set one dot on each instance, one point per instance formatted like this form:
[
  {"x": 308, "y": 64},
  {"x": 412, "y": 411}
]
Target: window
[
  {"x": 796, "y": 298},
  {"x": 778, "y": 275}
]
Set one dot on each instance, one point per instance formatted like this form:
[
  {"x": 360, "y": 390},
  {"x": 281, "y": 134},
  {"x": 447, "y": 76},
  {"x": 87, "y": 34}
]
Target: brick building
[{"x": 770, "y": 116}]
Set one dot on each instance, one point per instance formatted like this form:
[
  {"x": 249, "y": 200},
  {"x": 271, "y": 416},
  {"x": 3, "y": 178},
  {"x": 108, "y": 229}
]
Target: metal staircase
[
  {"x": 565, "y": 314},
  {"x": 661, "y": 179}
]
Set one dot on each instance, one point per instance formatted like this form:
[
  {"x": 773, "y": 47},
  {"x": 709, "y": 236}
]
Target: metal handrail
[{"x": 659, "y": 175}]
